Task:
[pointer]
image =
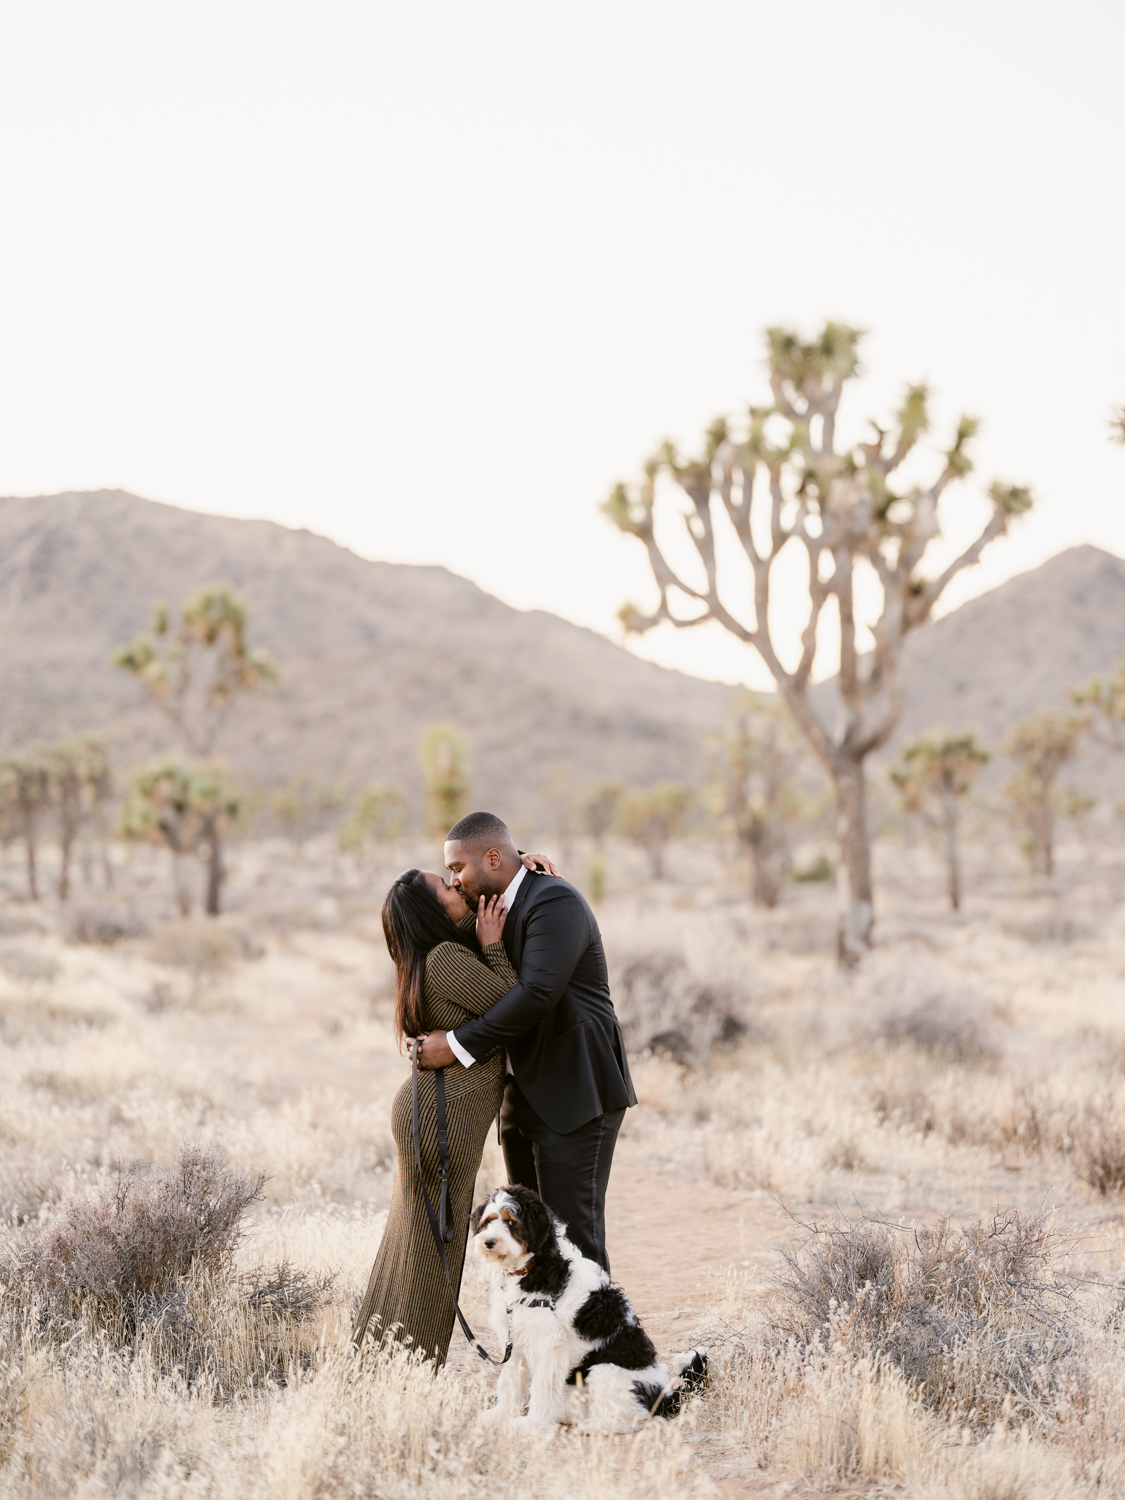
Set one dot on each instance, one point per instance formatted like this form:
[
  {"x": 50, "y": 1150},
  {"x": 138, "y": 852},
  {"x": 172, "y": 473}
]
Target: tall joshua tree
[
  {"x": 936, "y": 773},
  {"x": 184, "y": 807},
  {"x": 780, "y": 479},
  {"x": 196, "y": 671},
  {"x": 25, "y": 796}
]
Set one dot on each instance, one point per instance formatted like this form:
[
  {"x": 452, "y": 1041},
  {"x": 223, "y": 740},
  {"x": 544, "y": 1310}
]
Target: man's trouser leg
[{"x": 569, "y": 1172}]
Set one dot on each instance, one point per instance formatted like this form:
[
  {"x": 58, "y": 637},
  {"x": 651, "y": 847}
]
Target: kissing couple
[{"x": 501, "y": 977}]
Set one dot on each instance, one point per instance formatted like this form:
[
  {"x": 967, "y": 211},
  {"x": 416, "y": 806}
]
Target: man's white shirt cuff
[{"x": 466, "y": 1059}]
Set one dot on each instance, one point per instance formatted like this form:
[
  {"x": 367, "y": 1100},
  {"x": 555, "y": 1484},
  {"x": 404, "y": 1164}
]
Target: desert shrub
[
  {"x": 102, "y": 926},
  {"x": 940, "y": 1031},
  {"x": 665, "y": 1009},
  {"x": 129, "y": 1249},
  {"x": 28, "y": 967},
  {"x": 204, "y": 949},
  {"x": 1099, "y": 1149},
  {"x": 975, "y": 1317}
]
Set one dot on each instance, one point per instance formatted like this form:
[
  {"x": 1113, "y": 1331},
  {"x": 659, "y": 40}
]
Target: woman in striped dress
[{"x": 443, "y": 978}]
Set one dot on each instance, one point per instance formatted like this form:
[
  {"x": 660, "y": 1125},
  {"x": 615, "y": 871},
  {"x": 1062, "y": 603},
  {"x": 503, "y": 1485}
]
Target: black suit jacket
[{"x": 558, "y": 1024}]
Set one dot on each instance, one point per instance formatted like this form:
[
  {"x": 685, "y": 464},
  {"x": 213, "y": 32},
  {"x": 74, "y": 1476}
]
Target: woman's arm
[{"x": 455, "y": 974}]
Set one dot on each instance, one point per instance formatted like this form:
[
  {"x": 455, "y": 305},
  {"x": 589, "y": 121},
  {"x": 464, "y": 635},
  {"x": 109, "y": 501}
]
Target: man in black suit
[{"x": 568, "y": 1079}]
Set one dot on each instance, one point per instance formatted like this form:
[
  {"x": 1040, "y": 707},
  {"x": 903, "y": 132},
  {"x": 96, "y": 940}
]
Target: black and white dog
[{"x": 579, "y": 1354}]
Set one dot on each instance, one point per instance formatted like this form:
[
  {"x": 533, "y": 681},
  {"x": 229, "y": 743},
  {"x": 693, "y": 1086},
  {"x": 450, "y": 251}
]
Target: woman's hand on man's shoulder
[{"x": 540, "y": 864}]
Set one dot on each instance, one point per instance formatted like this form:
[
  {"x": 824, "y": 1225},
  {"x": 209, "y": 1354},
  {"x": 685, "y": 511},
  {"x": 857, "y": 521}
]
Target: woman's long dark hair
[{"x": 414, "y": 921}]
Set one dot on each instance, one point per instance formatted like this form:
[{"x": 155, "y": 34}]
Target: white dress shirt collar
[{"x": 510, "y": 894}]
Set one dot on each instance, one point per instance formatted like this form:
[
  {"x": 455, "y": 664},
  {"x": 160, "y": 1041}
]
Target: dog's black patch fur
[
  {"x": 603, "y": 1313},
  {"x": 537, "y": 1231},
  {"x": 607, "y": 1319}
]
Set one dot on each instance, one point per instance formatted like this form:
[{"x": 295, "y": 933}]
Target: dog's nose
[{"x": 490, "y": 1244}]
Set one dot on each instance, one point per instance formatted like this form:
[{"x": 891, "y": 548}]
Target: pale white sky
[{"x": 429, "y": 278}]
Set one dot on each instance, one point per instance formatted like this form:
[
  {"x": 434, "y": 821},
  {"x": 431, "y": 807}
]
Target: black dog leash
[{"x": 440, "y": 1227}]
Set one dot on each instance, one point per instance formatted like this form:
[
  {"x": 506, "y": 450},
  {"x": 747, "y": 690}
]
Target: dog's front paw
[{"x": 538, "y": 1423}]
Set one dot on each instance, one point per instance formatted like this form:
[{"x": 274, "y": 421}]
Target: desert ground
[{"x": 888, "y": 1201}]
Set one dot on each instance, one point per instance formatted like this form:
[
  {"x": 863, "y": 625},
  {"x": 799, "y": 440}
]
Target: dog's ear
[
  {"x": 537, "y": 1220},
  {"x": 474, "y": 1217}
]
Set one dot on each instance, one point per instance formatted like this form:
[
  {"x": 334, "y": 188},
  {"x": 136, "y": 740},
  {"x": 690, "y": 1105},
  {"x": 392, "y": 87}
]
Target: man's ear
[{"x": 493, "y": 858}]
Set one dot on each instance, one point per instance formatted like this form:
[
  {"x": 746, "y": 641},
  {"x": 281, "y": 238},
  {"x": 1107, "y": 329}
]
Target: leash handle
[{"x": 441, "y": 1231}]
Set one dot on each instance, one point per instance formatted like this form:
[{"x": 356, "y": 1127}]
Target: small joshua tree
[
  {"x": 1102, "y": 700},
  {"x": 1041, "y": 746},
  {"x": 755, "y": 789},
  {"x": 197, "y": 671},
  {"x": 184, "y": 807},
  {"x": 81, "y": 783},
  {"x": 25, "y": 797},
  {"x": 778, "y": 480},
  {"x": 651, "y": 817},
  {"x": 305, "y": 806},
  {"x": 447, "y": 784},
  {"x": 937, "y": 772},
  {"x": 375, "y": 819},
  {"x": 598, "y": 809}
]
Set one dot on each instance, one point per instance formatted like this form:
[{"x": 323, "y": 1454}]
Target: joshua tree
[
  {"x": 304, "y": 806},
  {"x": 1103, "y": 699},
  {"x": 755, "y": 789},
  {"x": 376, "y": 819},
  {"x": 197, "y": 671},
  {"x": 936, "y": 773},
  {"x": 185, "y": 807},
  {"x": 1041, "y": 746},
  {"x": 25, "y": 793},
  {"x": 81, "y": 782},
  {"x": 653, "y": 816},
  {"x": 779, "y": 478},
  {"x": 598, "y": 809},
  {"x": 447, "y": 785}
]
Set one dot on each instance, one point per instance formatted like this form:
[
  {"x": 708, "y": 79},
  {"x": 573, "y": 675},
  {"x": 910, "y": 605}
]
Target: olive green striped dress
[{"x": 407, "y": 1298}]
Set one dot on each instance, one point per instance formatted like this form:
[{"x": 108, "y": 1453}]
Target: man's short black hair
[{"x": 480, "y": 830}]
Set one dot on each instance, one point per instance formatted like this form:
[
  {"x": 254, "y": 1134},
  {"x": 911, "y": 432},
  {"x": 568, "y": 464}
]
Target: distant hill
[
  {"x": 370, "y": 655},
  {"x": 373, "y": 653},
  {"x": 1017, "y": 649}
]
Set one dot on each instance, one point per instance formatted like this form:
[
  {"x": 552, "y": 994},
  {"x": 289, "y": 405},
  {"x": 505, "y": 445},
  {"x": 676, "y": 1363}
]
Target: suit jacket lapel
[{"x": 513, "y": 933}]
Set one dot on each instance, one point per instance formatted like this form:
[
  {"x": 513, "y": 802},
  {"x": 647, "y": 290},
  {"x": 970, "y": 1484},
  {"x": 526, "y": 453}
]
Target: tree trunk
[
  {"x": 32, "y": 876},
  {"x": 656, "y": 860},
  {"x": 181, "y": 882},
  {"x": 952, "y": 852},
  {"x": 64, "y": 866},
  {"x": 765, "y": 869},
  {"x": 215, "y": 874},
  {"x": 853, "y": 880}
]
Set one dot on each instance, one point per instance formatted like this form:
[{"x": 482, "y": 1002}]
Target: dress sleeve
[
  {"x": 496, "y": 957},
  {"x": 455, "y": 974}
]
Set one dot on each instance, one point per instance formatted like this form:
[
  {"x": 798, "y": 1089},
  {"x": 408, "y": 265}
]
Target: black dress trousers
[{"x": 569, "y": 1172}]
